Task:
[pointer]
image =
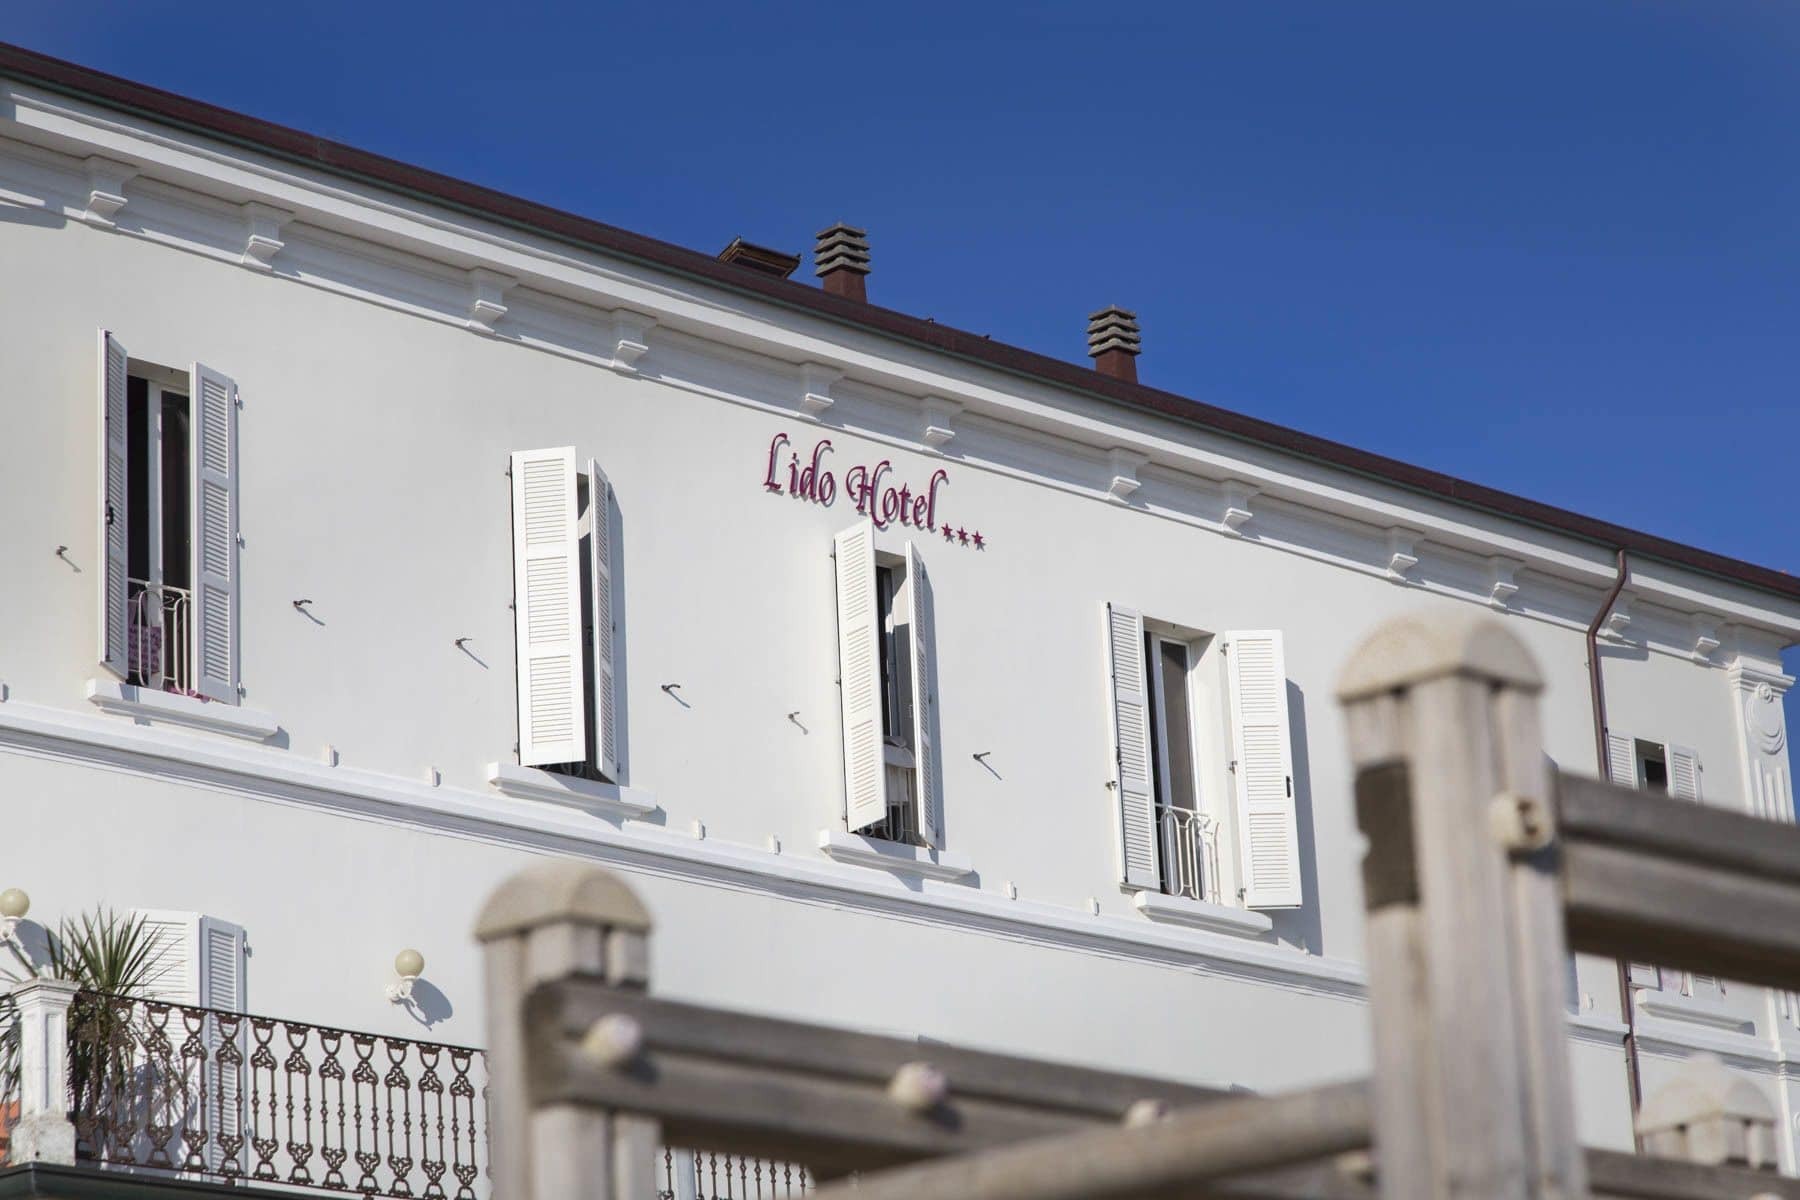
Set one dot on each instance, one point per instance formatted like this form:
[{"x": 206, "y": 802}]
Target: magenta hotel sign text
[{"x": 871, "y": 487}]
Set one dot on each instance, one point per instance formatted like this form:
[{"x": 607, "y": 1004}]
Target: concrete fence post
[
  {"x": 1466, "y": 953},
  {"x": 44, "y": 1132},
  {"x": 549, "y": 922}
]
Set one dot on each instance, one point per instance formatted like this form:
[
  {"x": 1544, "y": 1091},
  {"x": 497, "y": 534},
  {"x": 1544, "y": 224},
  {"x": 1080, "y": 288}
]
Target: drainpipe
[{"x": 1597, "y": 690}]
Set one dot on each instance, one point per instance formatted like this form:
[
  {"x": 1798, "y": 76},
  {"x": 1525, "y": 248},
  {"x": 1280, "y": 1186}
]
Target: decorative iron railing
[
  {"x": 1190, "y": 845},
  {"x": 699, "y": 1175},
  {"x": 158, "y": 639},
  {"x": 201, "y": 1093}
]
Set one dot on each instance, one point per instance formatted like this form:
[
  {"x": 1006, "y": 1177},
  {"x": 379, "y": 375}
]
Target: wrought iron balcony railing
[
  {"x": 210, "y": 1095},
  {"x": 1190, "y": 851},
  {"x": 159, "y": 636}
]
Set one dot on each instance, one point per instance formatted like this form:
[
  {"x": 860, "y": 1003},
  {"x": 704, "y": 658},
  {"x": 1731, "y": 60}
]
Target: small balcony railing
[
  {"x": 1190, "y": 853},
  {"x": 159, "y": 636},
  {"x": 700, "y": 1175},
  {"x": 204, "y": 1094}
]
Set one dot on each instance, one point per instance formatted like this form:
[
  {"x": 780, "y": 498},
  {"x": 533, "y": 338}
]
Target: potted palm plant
[{"x": 110, "y": 956}]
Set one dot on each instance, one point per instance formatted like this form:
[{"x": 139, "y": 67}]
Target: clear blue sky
[{"x": 1550, "y": 247}]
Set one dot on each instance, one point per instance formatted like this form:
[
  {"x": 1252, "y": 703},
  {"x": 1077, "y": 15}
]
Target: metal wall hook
[
  {"x": 300, "y": 605},
  {"x": 61, "y": 551},
  {"x": 671, "y": 688},
  {"x": 982, "y": 757},
  {"x": 463, "y": 641}
]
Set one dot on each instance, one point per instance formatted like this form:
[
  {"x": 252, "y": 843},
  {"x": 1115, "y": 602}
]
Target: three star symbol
[{"x": 965, "y": 537}]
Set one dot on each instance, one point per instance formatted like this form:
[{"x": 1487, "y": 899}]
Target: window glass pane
[
  {"x": 177, "y": 553},
  {"x": 137, "y": 458},
  {"x": 1652, "y": 768},
  {"x": 1178, "y": 724}
]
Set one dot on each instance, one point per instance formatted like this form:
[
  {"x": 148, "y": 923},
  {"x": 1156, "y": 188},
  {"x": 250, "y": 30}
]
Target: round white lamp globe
[
  {"x": 14, "y": 903},
  {"x": 409, "y": 964}
]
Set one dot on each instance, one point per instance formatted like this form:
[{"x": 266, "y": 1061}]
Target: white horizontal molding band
[
  {"x": 449, "y": 244},
  {"x": 192, "y": 712},
  {"x": 921, "y": 861},
  {"x": 267, "y": 773},
  {"x": 1198, "y": 914},
  {"x": 605, "y": 799}
]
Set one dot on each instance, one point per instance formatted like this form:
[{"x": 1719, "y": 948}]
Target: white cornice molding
[
  {"x": 936, "y": 415},
  {"x": 631, "y": 339},
  {"x": 816, "y": 382},
  {"x": 1503, "y": 581},
  {"x": 594, "y": 283},
  {"x": 1124, "y": 465},
  {"x": 1402, "y": 551},
  {"x": 280, "y": 776},
  {"x": 487, "y": 299},
  {"x": 106, "y": 181},
  {"x": 1618, "y": 620},
  {"x": 262, "y": 235},
  {"x": 1234, "y": 506}
]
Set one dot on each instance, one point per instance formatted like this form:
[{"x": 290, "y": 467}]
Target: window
[
  {"x": 1173, "y": 804},
  {"x": 1674, "y": 771},
  {"x": 169, "y": 526},
  {"x": 564, "y": 620},
  {"x": 887, "y": 690}
]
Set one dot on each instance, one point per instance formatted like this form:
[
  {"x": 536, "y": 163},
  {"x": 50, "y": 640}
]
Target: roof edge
[{"x": 337, "y": 158}]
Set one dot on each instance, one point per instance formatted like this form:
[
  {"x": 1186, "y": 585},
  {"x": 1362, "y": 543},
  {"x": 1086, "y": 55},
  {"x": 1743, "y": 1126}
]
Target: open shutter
[
  {"x": 859, "y": 676},
  {"x": 1684, "y": 772},
  {"x": 213, "y": 431},
  {"x": 1263, "y": 763},
  {"x": 924, "y": 701},
  {"x": 1621, "y": 759},
  {"x": 115, "y": 500},
  {"x": 222, "y": 988},
  {"x": 173, "y": 976},
  {"x": 600, "y": 585},
  {"x": 1134, "y": 792},
  {"x": 546, "y": 602}
]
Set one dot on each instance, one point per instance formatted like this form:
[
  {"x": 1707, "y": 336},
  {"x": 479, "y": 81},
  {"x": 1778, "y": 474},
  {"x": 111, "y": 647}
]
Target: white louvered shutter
[
  {"x": 115, "y": 504},
  {"x": 606, "y": 629},
  {"x": 859, "y": 676},
  {"x": 213, "y": 431},
  {"x": 1263, "y": 764},
  {"x": 173, "y": 975},
  {"x": 924, "y": 701},
  {"x": 1684, "y": 772},
  {"x": 1134, "y": 790},
  {"x": 547, "y": 604},
  {"x": 1621, "y": 759}
]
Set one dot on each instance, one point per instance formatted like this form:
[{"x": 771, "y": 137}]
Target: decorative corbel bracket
[
  {"x": 1618, "y": 621},
  {"x": 1125, "y": 465},
  {"x": 262, "y": 235},
  {"x": 1706, "y": 637},
  {"x": 106, "y": 190},
  {"x": 487, "y": 298},
  {"x": 1402, "y": 553},
  {"x": 631, "y": 339},
  {"x": 1503, "y": 581},
  {"x": 1235, "y": 509},
  {"x": 816, "y": 382},
  {"x": 936, "y": 413}
]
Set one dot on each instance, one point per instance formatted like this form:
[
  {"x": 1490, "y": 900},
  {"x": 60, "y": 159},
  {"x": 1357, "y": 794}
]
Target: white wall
[{"x": 373, "y": 449}]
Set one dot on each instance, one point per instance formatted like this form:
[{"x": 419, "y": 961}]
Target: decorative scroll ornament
[{"x": 1764, "y": 718}]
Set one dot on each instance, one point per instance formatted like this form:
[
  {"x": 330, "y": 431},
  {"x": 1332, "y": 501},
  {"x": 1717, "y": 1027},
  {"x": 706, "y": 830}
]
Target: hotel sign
[{"x": 872, "y": 487}]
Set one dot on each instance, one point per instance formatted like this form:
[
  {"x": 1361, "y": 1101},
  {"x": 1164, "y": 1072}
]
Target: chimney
[
  {"x": 1113, "y": 342},
  {"x": 760, "y": 259},
  {"x": 841, "y": 259}
]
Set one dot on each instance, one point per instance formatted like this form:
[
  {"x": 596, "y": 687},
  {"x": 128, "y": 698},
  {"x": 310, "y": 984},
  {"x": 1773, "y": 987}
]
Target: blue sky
[{"x": 1553, "y": 248}]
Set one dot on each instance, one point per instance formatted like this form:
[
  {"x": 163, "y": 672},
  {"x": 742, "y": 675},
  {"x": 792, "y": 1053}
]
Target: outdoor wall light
[
  {"x": 408, "y": 965},
  {"x": 14, "y": 904}
]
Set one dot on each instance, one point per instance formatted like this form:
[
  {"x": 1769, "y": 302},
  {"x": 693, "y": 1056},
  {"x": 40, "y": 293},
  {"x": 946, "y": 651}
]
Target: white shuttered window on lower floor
[
  {"x": 1673, "y": 770},
  {"x": 1197, "y": 815}
]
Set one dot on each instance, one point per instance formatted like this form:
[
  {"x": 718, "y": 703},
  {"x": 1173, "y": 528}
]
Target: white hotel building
[{"x": 369, "y": 533}]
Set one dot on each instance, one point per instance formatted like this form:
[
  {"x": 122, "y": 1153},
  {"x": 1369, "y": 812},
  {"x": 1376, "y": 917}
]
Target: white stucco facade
[{"x": 390, "y": 356}]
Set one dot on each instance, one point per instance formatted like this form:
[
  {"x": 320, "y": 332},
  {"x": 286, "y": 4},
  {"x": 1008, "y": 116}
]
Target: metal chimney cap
[
  {"x": 1113, "y": 328},
  {"x": 841, "y": 247}
]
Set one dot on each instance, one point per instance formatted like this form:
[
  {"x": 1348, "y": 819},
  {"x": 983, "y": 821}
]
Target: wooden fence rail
[{"x": 1484, "y": 870}]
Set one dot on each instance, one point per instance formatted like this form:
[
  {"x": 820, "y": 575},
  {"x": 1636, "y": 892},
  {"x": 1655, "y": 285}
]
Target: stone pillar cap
[
  {"x": 1413, "y": 649},
  {"x": 556, "y": 892}
]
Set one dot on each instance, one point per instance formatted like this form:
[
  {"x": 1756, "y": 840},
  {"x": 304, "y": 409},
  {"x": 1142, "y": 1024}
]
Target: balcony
[
  {"x": 159, "y": 637},
  {"x": 1189, "y": 842},
  {"x": 183, "y": 1099}
]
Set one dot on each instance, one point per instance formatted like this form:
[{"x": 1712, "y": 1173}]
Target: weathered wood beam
[
  {"x": 1653, "y": 879},
  {"x": 770, "y": 1088},
  {"x": 1177, "y": 1156},
  {"x": 1626, "y": 1176}
]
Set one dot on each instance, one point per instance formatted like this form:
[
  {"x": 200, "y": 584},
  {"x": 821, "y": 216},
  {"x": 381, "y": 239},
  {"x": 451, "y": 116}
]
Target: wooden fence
[{"x": 1484, "y": 871}]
